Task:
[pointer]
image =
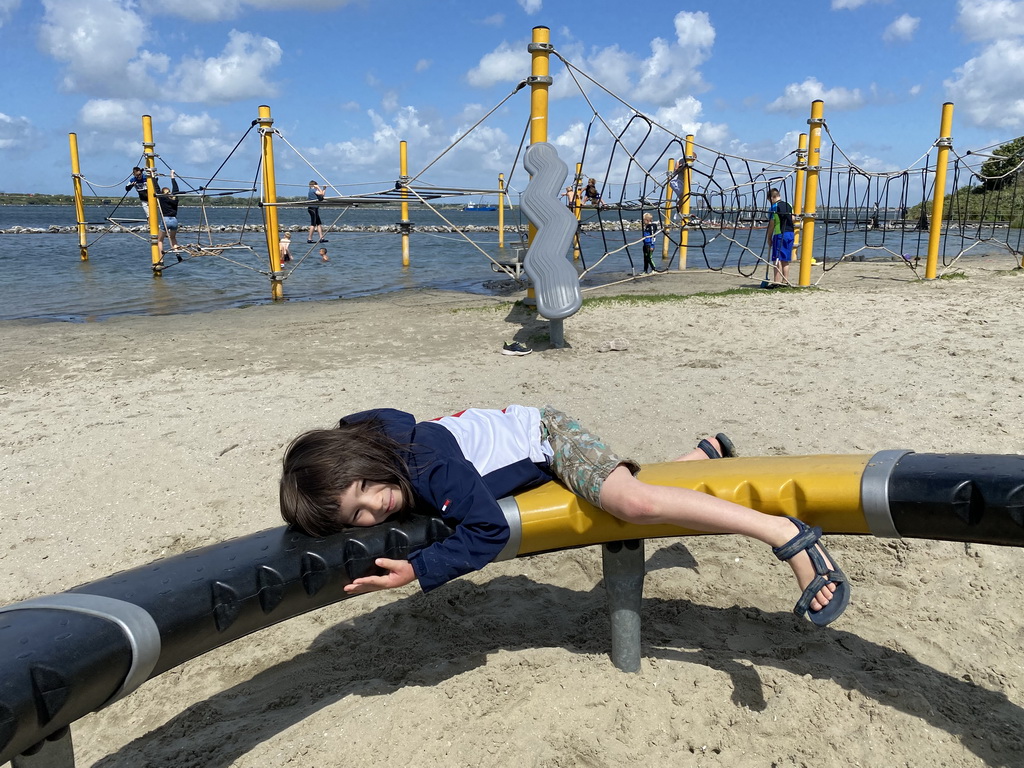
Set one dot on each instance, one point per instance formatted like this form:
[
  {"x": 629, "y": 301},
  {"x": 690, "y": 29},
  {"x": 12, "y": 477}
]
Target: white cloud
[
  {"x": 504, "y": 64},
  {"x": 990, "y": 87},
  {"x": 117, "y": 116},
  {"x": 7, "y": 9},
  {"x": 531, "y": 6},
  {"x": 15, "y": 132},
  {"x": 798, "y": 97},
  {"x": 221, "y": 10},
  {"x": 100, "y": 42},
  {"x": 991, "y": 19},
  {"x": 902, "y": 28},
  {"x": 423, "y": 65},
  {"x": 672, "y": 68},
  {"x": 670, "y": 71},
  {"x": 850, "y": 5},
  {"x": 494, "y": 20},
  {"x": 194, "y": 125},
  {"x": 240, "y": 72}
]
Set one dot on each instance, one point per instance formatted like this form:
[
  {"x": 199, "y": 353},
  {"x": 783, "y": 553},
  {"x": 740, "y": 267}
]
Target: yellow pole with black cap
[
  {"x": 270, "y": 223},
  {"x": 76, "y": 177}
]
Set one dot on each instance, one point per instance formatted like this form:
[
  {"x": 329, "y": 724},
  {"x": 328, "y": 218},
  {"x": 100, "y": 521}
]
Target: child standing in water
[{"x": 376, "y": 464}]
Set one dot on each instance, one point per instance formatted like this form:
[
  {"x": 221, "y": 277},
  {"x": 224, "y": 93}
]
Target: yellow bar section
[
  {"x": 76, "y": 177},
  {"x": 684, "y": 210},
  {"x": 154, "y": 231},
  {"x": 801, "y": 180},
  {"x": 403, "y": 171},
  {"x": 820, "y": 490},
  {"x": 810, "y": 201},
  {"x": 270, "y": 224},
  {"x": 577, "y": 208},
  {"x": 539, "y": 80},
  {"x": 666, "y": 225},
  {"x": 501, "y": 210},
  {"x": 944, "y": 142}
]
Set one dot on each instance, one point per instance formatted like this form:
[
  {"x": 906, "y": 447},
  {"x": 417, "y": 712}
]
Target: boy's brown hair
[{"x": 321, "y": 463}]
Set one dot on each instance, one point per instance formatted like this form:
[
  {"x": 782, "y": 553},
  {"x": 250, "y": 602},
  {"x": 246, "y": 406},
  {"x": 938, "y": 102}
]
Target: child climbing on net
[{"x": 377, "y": 464}]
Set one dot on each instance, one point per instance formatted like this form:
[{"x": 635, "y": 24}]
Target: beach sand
[{"x": 142, "y": 437}]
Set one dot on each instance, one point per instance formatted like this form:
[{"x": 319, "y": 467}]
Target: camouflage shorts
[{"x": 582, "y": 461}]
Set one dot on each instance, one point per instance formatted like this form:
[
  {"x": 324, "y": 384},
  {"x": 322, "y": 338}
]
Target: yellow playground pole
[
  {"x": 539, "y": 81},
  {"x": 684, "y": 210},
  {"x": 944, "y": 142},
  {"x": 404, "y": 224},
  {"x": 801, "y": 180},
  {"x": 810, "y": 201},
  {"x": 667, "y": 218},
  {"x": 154, "y": 233},
  {"x": 76, "y": 177},
  {"x": 501, "y": 210},
  {"x": 577, "y": 208},
  {"x": 270, "y": 225}
]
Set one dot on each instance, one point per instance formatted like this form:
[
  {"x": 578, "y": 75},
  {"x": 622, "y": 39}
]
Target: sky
[{"x": 346, "y": 80}]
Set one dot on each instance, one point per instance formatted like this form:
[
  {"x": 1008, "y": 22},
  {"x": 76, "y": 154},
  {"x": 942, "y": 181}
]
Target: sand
[{"x": 141, "y": 437}]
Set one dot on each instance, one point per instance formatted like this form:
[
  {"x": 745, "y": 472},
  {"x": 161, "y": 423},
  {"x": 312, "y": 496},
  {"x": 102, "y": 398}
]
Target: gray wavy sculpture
[{"x": 556, "y": 282}]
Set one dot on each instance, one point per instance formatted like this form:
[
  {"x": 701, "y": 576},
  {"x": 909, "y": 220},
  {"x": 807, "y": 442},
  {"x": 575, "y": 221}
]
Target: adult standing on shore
[{"x": 316, "y": 192}]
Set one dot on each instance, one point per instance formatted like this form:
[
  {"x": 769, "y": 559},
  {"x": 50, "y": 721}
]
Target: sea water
[{"x": 44, "y": 278}]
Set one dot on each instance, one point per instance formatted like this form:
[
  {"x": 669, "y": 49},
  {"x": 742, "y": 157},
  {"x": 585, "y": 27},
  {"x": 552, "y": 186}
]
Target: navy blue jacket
[{"x": 446, "y": 484}]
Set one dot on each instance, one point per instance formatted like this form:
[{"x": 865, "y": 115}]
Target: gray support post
[
  {"x": 556, "y": 333},
  {"x": 624, "y": 571}
]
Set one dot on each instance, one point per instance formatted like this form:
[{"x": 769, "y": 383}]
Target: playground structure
[
  {"x": 716, "y": 221},
  {"x": 66, "y": 655},
  {"x": 63, "y": 656}
]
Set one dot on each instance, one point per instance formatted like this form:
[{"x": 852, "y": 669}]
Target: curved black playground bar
[{"x": 63, "y": 656}]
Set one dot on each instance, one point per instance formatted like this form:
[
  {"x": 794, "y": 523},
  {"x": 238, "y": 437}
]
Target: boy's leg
[{"x": 631, "y": 500}]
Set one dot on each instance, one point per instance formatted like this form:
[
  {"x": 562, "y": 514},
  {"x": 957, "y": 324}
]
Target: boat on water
[{"x": 479, "y": 207}]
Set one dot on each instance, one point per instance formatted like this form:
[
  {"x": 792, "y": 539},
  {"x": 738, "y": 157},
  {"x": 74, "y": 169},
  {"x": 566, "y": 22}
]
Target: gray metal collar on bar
[
  {"x": 510, "y": 508},
  {"x": 135, "y": 622},
  {"x": 874, "y": 492}
]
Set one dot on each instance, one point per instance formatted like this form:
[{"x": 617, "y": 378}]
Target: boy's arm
[{"x": 480, "y": 532}]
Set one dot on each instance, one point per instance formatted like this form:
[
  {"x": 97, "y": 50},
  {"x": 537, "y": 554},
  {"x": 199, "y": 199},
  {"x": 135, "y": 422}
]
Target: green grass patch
[
  {"x": 667, "y": 298},
  {"x": 953, "y": 276}
]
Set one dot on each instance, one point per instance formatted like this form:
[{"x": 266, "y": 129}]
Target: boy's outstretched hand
[{"x": 399, "y": 573}]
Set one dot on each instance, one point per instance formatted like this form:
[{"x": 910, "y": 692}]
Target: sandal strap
[
  {"x": 708, "y": 447},
  {"x": 804, "y": 540}
]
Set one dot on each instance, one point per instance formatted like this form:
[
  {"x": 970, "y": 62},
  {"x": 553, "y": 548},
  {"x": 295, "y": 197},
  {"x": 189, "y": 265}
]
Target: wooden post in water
[
  {"x": 810, "y": 201},
  {"x": 404, "y": 225},
  {"x": 76, "y": 177},
  {"x": 270, "y": 224},
  {"x": 148, "y": 147},
  {"x": 944, "y": 142}
]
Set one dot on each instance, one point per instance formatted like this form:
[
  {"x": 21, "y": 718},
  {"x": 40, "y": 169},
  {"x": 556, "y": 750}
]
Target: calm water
[{"x": 44, "y": 278}]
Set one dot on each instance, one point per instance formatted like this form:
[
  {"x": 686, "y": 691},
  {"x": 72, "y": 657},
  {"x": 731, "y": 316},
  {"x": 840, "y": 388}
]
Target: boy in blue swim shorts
[{"x": 780, "y": 232}]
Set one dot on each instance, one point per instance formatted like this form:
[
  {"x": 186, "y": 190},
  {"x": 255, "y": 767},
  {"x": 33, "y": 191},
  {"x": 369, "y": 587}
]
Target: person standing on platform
[
  {"x": 168, "y": 201},
  {"x": 315, "y": 193},
  {"x": 137, "y": 181}
]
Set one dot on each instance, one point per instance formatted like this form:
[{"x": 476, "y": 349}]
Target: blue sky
[{"x": 347, "y": 79}]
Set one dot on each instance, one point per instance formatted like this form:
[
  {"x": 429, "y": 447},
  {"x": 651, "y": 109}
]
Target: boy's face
[{"x": 366, "y": 503}]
